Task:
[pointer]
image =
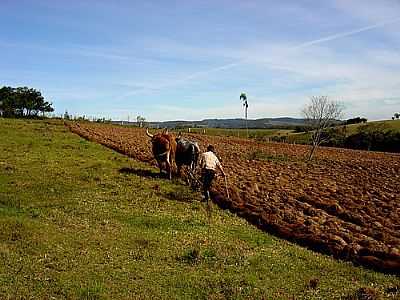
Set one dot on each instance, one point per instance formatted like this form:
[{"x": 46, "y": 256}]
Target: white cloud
[{"x": 279, "y": 54}]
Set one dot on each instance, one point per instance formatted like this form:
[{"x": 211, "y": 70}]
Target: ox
[
  {"x": 164, "y": 148},
  {"x": 187, "y": 153}
]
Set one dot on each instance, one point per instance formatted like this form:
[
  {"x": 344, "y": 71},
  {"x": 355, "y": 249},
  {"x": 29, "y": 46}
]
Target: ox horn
[{"x": 148, "y": 133}]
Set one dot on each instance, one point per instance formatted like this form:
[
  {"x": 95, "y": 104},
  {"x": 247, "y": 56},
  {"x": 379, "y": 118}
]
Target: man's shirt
[{"x": 209, "y": 161}]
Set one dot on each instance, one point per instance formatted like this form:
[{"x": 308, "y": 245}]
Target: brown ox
[{"x": 164, "y": 149}]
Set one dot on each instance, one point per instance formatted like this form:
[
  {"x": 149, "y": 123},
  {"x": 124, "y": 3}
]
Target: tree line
[{"x": 22, "y": 102}]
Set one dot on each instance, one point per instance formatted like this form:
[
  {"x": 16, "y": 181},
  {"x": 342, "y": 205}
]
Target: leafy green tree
[
  {"x": 47, "y": 107},
  {"x": 23, "y": 102},
  {"x": 7, "y": 101}
]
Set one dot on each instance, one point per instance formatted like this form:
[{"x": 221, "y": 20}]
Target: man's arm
[
  {"x": 221, "y": 168},
  {"x": 201, "y": 161}
]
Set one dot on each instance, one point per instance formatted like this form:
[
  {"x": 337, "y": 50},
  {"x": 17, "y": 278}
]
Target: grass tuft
[{"x": 190, "y": 256}]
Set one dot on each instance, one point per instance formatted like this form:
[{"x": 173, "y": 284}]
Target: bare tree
[
  {"x": 320, "y": 113},
  {"x": 243, "y": 97}
]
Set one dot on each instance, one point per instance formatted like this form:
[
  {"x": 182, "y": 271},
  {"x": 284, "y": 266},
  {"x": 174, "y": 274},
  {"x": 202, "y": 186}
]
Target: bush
[
  {"x": 334, "y": 137},
  {"x": 356, "y": 121},
  {"x": 304, "y": 128},
  {"x": 375, "y": 138}
]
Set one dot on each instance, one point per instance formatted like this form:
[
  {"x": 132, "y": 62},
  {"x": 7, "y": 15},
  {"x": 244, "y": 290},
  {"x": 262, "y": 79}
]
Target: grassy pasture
[
  {"x": 240, "y": 132},
  {"x": 79, "y": 221},
  {"x": 305, "y": 137},
  {"x": 387, "y": 125}
]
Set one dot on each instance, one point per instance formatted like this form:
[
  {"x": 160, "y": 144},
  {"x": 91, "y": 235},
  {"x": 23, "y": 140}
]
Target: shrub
[
  {"x": 334, "y": 137},
  {"x": 356, "y": 121},
  {"x": 374, "y": 138}
]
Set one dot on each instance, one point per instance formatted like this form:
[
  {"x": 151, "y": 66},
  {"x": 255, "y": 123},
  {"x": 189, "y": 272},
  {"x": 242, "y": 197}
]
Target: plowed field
[{"x": 346, "y": 203}]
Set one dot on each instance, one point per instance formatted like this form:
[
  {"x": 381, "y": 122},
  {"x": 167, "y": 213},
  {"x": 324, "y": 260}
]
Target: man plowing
[{"x": 209, "y": 163}]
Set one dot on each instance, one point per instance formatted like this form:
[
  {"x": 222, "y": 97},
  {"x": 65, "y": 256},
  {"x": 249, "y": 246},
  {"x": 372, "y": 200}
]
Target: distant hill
[{"x": 233, "y": 123}]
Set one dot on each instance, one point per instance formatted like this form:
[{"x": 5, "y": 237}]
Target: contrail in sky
[
  {"x": 345, "y": 34},
  {"x": 300, "y": 46}
]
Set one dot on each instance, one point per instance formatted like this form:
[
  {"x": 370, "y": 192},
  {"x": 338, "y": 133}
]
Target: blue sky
[{"x": 190, "y": 60}]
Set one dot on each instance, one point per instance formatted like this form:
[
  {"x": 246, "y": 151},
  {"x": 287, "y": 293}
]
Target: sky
[{"x": 191, "y": 60}]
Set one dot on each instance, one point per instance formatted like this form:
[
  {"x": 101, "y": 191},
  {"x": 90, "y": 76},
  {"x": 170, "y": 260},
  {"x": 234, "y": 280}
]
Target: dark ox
[
  {"x": 187, "y": 153},
  {"x": 164, "y": 148}
]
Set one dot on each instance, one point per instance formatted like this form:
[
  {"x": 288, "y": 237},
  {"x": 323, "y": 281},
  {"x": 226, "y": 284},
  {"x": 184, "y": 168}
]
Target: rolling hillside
[
  {"x": 385, "y": 126},
  {"x": 263, "y": 123}
]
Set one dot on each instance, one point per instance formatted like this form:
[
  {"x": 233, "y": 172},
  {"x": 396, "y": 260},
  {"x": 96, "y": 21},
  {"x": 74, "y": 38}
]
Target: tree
[
  {"x": 66, "y": 115},
  {"x": 320, "y": 113},
  {"x": 47, "y": 107},
  {"x": 397, "y": 115},
  {"x": 356, "y": 121},
  {"x": 243, "y": 97},
  {"x": 140, "y": 120},
  {"x": 6, "y": 101},
  {"x": 22, "y": 102}
]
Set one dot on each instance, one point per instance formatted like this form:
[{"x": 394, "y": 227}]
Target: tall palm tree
[{"x": 243, "y": 97}]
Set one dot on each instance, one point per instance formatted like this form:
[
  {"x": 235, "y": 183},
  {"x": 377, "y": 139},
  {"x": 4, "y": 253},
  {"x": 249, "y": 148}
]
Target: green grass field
[
  {"x": 305, "y": 138},
  {"x": 241, "y": 133},
  {"x": 79, "y": 221},
  {"x": 286, "y": 134},
  {"x": 387, "y": 125}
]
